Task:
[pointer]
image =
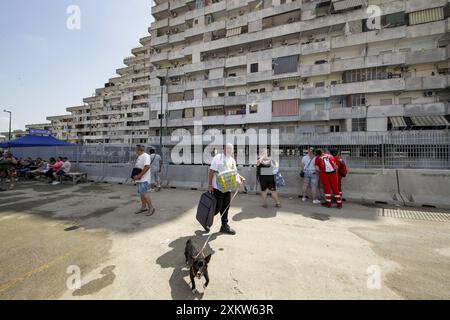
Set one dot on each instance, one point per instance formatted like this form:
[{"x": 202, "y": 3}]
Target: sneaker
[
  {"x": 55, "y": 183},
  {"x": 316, "y": 201},
  {"x": 303, "y": 199},
  {"x": 326, "y": 204},
  {"x": 227, "y": 230},
  {"x": 339, "y": 206},
  {"x": 278, "y": 205}
]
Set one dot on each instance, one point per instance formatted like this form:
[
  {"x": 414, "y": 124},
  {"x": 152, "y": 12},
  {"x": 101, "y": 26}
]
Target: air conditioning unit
[
  {"x": 269, "y": 45},
  {"x": 174, "y": 14},
  {"x": 241, "y": 50},
  {"x": 285, "y": 43},
  {"x": 428, "y": 93}
]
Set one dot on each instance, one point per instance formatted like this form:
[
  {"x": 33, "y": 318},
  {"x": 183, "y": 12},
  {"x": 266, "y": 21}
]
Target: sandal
[
  {"x": 150, "y": 212},
  {"x": 278, "y": 205}
]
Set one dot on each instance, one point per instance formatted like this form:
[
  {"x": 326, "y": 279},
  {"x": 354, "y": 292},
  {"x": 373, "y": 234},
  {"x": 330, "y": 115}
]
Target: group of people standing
[{"x": 327, "y": 167}]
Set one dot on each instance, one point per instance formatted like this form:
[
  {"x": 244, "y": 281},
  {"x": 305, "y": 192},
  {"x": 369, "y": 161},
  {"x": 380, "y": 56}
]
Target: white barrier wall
[
  {"x": 404, "y": 186},
  {"x": 425, "y": 187}
]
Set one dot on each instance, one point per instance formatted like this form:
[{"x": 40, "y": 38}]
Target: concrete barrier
[
  {"x": 371, "y": 185},
  {"x": 93, "y": 170},
  {"x": 118, "y": 173},
  {"x": 249, "y": 173},
  {"x": 425, "y": 187},
  {"x": 187, "y": 176}
]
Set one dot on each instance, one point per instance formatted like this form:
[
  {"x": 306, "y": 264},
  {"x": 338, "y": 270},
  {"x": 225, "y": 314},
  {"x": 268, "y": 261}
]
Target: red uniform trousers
[{"x": 330, "y": 182}]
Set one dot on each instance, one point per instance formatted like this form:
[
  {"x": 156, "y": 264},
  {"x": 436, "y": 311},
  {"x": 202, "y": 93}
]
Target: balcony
[
  {"x": 367, "y": 37},
  {"x": 315, "y": 47},
  {"x": 259, "y": 76},
  {"x": 177, "y": 4},
  {"x": 368, "y": 86},
  {"x": 236, "y": 100},
  {"x": 177, "y": 37},
  {"x": 428, "y": 109},
  {"x": 213, "y": 101},
  {"x": 315, "y": 70},
  {"x": 416, "y": 5},
  {"x": 160, "y": 8},
  {"x": 236, "y": 61},
  {"x": 286, "y": 94},
  {"x": 236, "y": 81},
  {"x": 427, "y": 83},
  {"x": 318, "y": 114},
  {"x": 159, "y": 24},
  {"x": 348, "y": 113},
  {"x": 215, "y": 83},
  {"x": 313, "y": 92},
  {"x": 427, "y": 56},
  {"x": 158, "y": 41},
  {"x": 347, "y": 64},
  {"x": 383, "y": 111}
]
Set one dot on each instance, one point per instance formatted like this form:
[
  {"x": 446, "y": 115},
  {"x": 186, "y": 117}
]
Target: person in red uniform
[
  {"x": 327, "y": 167},
  {"x": 342, "y": 169}
]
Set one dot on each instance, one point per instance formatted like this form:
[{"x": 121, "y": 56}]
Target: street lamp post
[
  {"x": 162, "y": 82},
  {"x": 10, "y": 115}
]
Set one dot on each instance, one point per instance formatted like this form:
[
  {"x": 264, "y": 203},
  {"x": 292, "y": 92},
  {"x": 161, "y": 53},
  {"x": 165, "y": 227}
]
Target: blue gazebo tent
[{"x": 35, "y": 141}]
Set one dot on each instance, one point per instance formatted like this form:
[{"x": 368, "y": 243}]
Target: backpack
[{"x": 343, "y": 171}]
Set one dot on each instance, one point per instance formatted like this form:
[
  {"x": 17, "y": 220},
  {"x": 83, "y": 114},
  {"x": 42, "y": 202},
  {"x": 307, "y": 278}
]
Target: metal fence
[{"x": 390, "y": 150}]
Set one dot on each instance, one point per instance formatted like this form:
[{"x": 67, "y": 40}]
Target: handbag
[
  {"x": 135, "y": 172},
  {"x": 227, "y": 181},
  {"x": 302, "y": 173},
  {"x": 279, "y": 180}
]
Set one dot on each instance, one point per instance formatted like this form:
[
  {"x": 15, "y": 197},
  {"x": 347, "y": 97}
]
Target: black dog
[{"x": 198, "y": 265}]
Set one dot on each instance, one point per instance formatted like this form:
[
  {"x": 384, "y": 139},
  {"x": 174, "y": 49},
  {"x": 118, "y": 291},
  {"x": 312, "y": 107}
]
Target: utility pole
[
  {"x": 162, "y": 82},
  {"x": 10, "y": 116}
]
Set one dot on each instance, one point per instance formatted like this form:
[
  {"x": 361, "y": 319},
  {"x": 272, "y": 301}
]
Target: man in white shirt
[
  {"x": 143, "y": 180},
  {"x": 220, "y": 163}
]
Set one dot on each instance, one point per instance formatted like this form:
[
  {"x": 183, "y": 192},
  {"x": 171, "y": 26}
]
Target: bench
[{"x": 77, "y": 176}]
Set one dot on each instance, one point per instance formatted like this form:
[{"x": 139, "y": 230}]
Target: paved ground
[{"x": 289, "y": 253}]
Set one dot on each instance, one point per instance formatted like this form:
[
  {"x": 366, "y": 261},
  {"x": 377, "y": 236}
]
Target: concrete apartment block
[{"x": 295, "y": 65}]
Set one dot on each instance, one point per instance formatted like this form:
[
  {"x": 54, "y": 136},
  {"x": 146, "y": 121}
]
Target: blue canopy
[{"x": 34, "y": 141}]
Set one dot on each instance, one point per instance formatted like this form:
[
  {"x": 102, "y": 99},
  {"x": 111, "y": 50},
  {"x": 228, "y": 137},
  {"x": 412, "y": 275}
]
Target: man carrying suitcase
[{"x": 222, "y": 162}]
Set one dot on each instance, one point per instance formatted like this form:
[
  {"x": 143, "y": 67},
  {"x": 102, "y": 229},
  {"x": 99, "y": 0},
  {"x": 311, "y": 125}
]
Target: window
[
  {"x": 254, "y": 108},
  {"x": 188, "y": 113},
  {"x": 405, "y": 100},
  {"x": 291, "y": 87},
  {"x": 232, "y": 75},
  {"x": 334, "y": 128},
  {"x": 287, "y": 64},
  {"x": 262, "y": 90},
  {"x": 254, "y": 67},
  {"x": 319, "y": 84},
  {"x": 232, "y": 94},
  {"x": 358, "y": 100},
  {"x": 221, "y": 94},
  {"x": 196, "y": 21},
  {"x": 254, "y": 91},
  {"x": 359, "y": 124}
]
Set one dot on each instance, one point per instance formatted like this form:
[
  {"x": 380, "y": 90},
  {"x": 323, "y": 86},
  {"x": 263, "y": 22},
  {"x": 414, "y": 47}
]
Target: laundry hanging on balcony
[{"x": 234, "y": 32}]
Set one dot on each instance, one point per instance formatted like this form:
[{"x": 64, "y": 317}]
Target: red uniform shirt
[{"x": 326, "y": 163}]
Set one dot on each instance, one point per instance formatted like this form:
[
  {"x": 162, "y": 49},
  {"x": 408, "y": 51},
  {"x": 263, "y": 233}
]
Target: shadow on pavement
[{"x": 180, "y": 288}]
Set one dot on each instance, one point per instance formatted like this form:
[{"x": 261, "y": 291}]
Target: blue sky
[{"x": 45, "y": 67}]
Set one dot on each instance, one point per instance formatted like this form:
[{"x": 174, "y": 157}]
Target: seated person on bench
[
  {"x": 65, "y": 169},
  {"x": 38, "y": 170}
]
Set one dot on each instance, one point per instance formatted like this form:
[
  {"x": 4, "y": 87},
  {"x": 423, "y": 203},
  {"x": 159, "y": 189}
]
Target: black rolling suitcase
[{"x": 206, "y": 209}]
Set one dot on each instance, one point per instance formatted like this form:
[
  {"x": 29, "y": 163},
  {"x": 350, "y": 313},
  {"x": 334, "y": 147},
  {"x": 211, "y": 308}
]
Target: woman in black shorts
[{"x": 265, "y": 167}]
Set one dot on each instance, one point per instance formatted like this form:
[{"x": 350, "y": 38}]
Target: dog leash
[{"x": 210, "y": 231}]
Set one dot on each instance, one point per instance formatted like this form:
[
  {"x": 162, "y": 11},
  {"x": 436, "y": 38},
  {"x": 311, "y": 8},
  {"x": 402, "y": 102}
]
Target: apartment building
[
  {"x": 115, "y": 114},
  {"x": 308, "y": 66},
  {"x": 302, "y": 66}
]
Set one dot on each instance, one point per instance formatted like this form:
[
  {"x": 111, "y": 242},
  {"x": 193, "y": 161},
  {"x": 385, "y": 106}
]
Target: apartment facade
[{"x": 308, "y": 66}]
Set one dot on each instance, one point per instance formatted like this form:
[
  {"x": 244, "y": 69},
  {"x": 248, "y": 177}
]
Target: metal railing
[{"x": 390, "y": 150}]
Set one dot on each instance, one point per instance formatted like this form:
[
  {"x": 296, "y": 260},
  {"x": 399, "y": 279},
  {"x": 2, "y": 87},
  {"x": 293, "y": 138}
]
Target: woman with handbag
[
  {"x": 265, "y": 168},
  {"x": 310, "y": 176}
]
